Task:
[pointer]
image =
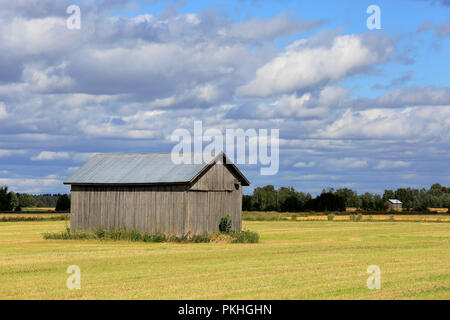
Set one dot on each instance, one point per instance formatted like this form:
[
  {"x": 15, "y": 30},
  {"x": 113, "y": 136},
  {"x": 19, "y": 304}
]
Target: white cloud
[
  {"x": 76, "y": 157},
  {"x": 304, "y": 66},
  {"x": 317, "y": 105},
  {"x": 305, "y": 164},
  {"x": 29, "y": 183},
  {"x": 50, "y": 155},
  {"x": 267, "y": 29},
  {"x": 346, "y": 163},
  {"x": 3, "y": 113},
  {"x": 83, "y": 157},
  {"x": 9, "y": 153},
  {"x": 312, "y": 177},
  {"x": 411, "y": 123},
  {"x": 392, "y": 164},
  {"x": 72, "y": 169}
]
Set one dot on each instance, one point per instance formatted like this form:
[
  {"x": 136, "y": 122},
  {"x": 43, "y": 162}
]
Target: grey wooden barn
[{"x": 150, "y": 193}]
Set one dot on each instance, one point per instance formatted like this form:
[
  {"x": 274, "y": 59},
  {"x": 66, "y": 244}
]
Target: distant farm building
[
  {"x": 150, "y": 193},
  {"x": 394, "y": 204}
]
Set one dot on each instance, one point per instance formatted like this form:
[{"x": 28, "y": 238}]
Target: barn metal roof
[
  {"x": 395, "y": 201},
  {"x": 144, "y": 168}
]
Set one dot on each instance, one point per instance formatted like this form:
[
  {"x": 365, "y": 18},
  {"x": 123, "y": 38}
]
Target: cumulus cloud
[
  {"x": 442, "y": 30},
  {"x": 304, "y": 64},
  {"x": 35, "y": 8},
  {"x": 30, "y": 185},
  {"x": 390, "y": 164},
  {"x": 3, "y": 113},
  {"x": 410, "y": 123},
  {"x": 74, "y": 156},
  {"x": 258, "y": 30},
  {"x": 311, "y": 105}
]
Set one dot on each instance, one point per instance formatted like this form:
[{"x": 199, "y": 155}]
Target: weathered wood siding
[
  {"x": 172, "y": 209},
  {"x": 147, "y": 209},
  {"x": 211, "y": 197},
  {"x": 205, "y": 208}
]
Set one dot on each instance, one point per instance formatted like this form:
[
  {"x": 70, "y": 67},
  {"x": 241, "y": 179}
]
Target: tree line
[
  {"x": 287, "y": 199},
  {"x": 12, "y": 201}
]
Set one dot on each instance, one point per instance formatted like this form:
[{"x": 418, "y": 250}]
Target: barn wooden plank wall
[
  {"x": 171, "y": 209},
  {"x": 147, "y": 209}
]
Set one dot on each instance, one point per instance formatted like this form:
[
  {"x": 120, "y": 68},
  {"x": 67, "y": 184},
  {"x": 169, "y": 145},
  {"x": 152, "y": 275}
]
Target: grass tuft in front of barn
[{"x": 245, "y": 236}]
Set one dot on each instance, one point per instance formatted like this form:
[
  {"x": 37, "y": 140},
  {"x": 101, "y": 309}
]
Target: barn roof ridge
[{"x": 143, "y": 168}]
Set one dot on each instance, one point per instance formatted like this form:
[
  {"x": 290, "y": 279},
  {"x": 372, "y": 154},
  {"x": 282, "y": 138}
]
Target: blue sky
[{"x": 358, "y": 108}]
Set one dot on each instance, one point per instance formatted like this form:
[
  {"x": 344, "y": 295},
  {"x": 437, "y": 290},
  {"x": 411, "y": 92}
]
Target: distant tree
[
  {"x": 8, "y": 200},
  {"x": 291, "y": 204},
  {"x": 407, "y": 196},
  {"x": 63, "y": 203},
  {"x": 367, "y": 201},
  {"x": 40, "y": 204},
  {"x": 246, "y": 203},
  {"x": 288, "y": 199},
  {"x": 351, "y": 197},
  {"x": 47, "y": 200},
  {"x": 328, "y": 201},
  {"x": 378, "y": 203},
  {"x": 446, "y": 201},
  {"x": 388, "y": 194},
  {"x": 3, "y": 198},
  {"x": 26, "y": 200},
  {"x": 14, "y": 201},
  {"x": 265, "y": 198}
]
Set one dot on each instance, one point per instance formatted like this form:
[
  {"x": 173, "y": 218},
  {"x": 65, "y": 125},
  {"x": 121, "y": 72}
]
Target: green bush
[
  {"x": 225, "y": 224},
  {"x": 201, "y": 238},
  {"x": 67, "y": 235},
  {"x": 63, "y": 203},
  {"x": 330, "y": 217},
  {"x": 245, "y": 236},
  {"x": 99, "y": 233},
  {"x": 21, "y": 219},
  {"x": 358, "y": 217},
  {"x": 159, "y": 237}
]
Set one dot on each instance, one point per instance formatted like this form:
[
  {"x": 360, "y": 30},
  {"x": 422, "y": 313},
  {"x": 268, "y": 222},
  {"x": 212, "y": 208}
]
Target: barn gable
[{"x": 220, "y": 175}]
